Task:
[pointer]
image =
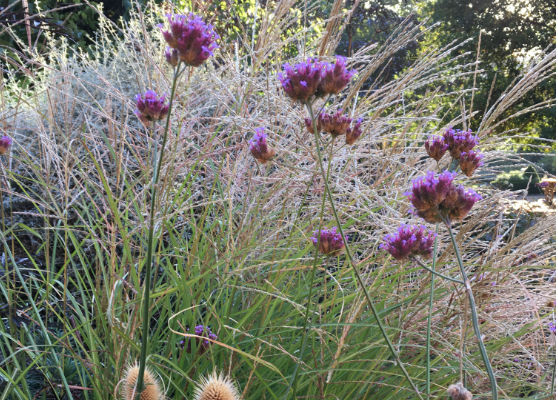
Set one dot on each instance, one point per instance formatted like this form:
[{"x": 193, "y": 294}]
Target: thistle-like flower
[
  {"x": 458, "y": 392},
  {"x": 334, "y": 124},
  {"x": 470, "y": 161},
  {"x": 152, "y": 389},
  {"x": 191, "y": 37},
  {"x": 301, "y": 81},
  {"x": 436, "y": 147},
  {"x": 334, "y": 77},
  {"x": 354, "y": 132},
  {"x": 150, "y": 107},
  {"x": 259, "y": 147},
  {"x": 409, "y": 240},
  {"x": 459, "y": 141},
  {"x": 202, "y": 344},
  {"x": 436, "y": 198},
  {"x": 330, "y": 242},
  {"x": 216, "y": 387},
  {"x": 5, "y": 144},
  {"x": 172, "y": 57}
]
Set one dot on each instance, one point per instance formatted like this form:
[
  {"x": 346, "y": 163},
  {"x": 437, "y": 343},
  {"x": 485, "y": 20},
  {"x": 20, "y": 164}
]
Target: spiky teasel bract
[
  {"x": 216, "y": 387},
  {"x": 152, "y": 389}
]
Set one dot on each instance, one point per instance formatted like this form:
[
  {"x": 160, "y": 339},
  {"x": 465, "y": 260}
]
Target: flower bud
[
  {"x": 300, "y": 81},
  {"x": 5, "y": 144},
  {"x": 259, "y": 148},
  {"x": 334, "y": 77},
  {"x": 171, "y": 56},
  {"x": 330, "y": 242},
  {"x": 436, "y": 147},
  {"x": 470, "y": 161},
  {"x": 409, "y": 240},
  {"x": 353, "y": 133},
  {"x": 150, "y": 107},
  {"x": 459, "y": 141}
]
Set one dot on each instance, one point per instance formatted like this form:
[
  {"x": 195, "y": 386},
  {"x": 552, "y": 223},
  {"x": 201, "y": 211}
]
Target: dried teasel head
[
  {"x": 152, "y": 389},
  {"x": 458, "y": 392},
  {"x": 216, "y": 387}
]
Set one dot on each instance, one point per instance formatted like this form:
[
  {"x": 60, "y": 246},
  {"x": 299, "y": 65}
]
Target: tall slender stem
[
  {"x": 149, "y": 257},
  {"x": 434, "y": 272},
  {"x": 429, "y": 321},
  {"x": 474, "y": 316},
  {"x": 355, "y": 270}
]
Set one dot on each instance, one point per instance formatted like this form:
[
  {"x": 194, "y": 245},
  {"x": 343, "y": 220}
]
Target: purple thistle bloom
[
  {"x": 300, "y": 81},
  {"x": 191, "y": 37},
  {"x": 469, "y": 161},
  {"x": 435, "y": 198},
  {"x": 334, "y": 77},
  {"x": 459, "y": 141},
  {"x": 5, "y": 144},
  {"x": 436, "y": 147},
  {"x": 259, "y": 148},
  {"x": 172, "y": 57},
  {"x": 354, "y": 133},
  {"x": 330, "y": 242},
  {"x": 150, "y": 107},
  {"x": 409, "y": 240}
]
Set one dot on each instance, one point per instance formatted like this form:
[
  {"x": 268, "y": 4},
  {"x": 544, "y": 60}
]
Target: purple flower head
[
  {"x": 301, "y": 81},
  {"x": 436, "y": 147},
  {"x": 334, "y": 77},
  {"x": 542, "y": 185},
  {"x": 330, "y": 242},
  {"x": 203, "y": 344},
  {"x": 459, "y": 141},
  {"x": 172, "y": 57},
  {"x": 469, "y": 161},
  {"x": 552, "y": 327},
  {"x": 354, "y": 132},
  {"x": 409, "y": 240},
  {"x": 191, "y": 37},
  {"x": 259, "y": 148},
  {"x": 150, "y": 107},
  {"x": 5, "y": 144},
  {"x": 436, "y": 198}
]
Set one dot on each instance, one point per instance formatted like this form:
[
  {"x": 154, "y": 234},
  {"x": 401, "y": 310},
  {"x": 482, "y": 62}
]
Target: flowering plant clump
[
  {"x": 5, "y": 144},
  {"x": 334, "y": 77},
  {"x": 259, "y": 147},
  {"x": 150, "y": 107},
  {"x": 436, "y": 198},
  {"x": 436, "y": 147},
  {"x": 330, "y": 242},
  {"x": 459, "y": 141},
  {"x": 470, "y": 161},
  {"x": 193, "y": 39},
  {"x": 409, "y": 240}
]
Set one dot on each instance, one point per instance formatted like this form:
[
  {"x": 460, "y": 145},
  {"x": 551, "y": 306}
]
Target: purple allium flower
[
  {"x": 330, "y": 242},
  {"x": 459, "y": 141},
  {"x": 334, "y": 77},
  {"x": 409, "y": 240},
  {"x": 552, "y": 327},
  {"x": 469, "y": 161},
  {"x": 5, "y": 144},
  {"x": 150, "y": 107},
  {"x": 191, "y": 37},
  {"x": 436, "y": 147},
  {"x": 172, "y": 56},
  {"x": 436, "y": 197},
  {"x": 259, "y": 148},
  {"x": 301, "y": 81},
  {"x": 354, "y": 132}
]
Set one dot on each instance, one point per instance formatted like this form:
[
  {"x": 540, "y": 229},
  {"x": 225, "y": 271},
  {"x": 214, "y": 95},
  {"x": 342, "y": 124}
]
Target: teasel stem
[
  {"x": 474, "y": 316},
  {"x": 293, "y": 383},
  {"x": 353, "y": 266},
  {"x": 149, "y": 257},
  {"x": 429, "y": 320}
]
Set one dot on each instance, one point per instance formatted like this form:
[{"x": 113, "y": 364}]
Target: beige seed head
[
  {"x": 216, "y": 387},
  {"x": 152, "y": 389},
  {"x": 458, "y": 392}
]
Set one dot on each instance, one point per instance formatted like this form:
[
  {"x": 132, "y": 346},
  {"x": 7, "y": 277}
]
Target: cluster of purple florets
[
  {"x": 259, "y": 147},
  {"x": 337, "y": 124},
  {"x": 328, "y": 241},
  {"x": 460, "y": 145},
  {"x": 409, "y": 240},
  {"x": 150, "y": 107},
  {"x": 202, "y": 344},
  {"x": 306, "y": 80},
  {"x": 5, "y": 144},
  {"x": 190, "y": 39}
]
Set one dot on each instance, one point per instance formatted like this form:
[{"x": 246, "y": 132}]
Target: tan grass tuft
[
  {"x": 152, "y": 389},
  {"x": 216, "y": 387},
  {"x": 458, "y": 392}
]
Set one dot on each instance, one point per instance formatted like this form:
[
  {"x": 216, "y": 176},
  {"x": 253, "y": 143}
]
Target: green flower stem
[
  {"x": 429, "y": 320},
  {"x": 474, "y": 316},
  {"x": 149, "y": 257},
  {"x": 432, "y": 271},
  {"x": 350, "y": 258},
  {"x": 293, "y": 382}
]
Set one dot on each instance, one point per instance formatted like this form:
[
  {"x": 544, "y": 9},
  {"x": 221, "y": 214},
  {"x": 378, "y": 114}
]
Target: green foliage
[{"x": 518, "y": 179}]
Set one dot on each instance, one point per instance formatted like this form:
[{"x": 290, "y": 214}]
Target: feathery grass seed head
[
  {"x": 216, "y": 387},
  {"x": 152, "y": 389}
]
